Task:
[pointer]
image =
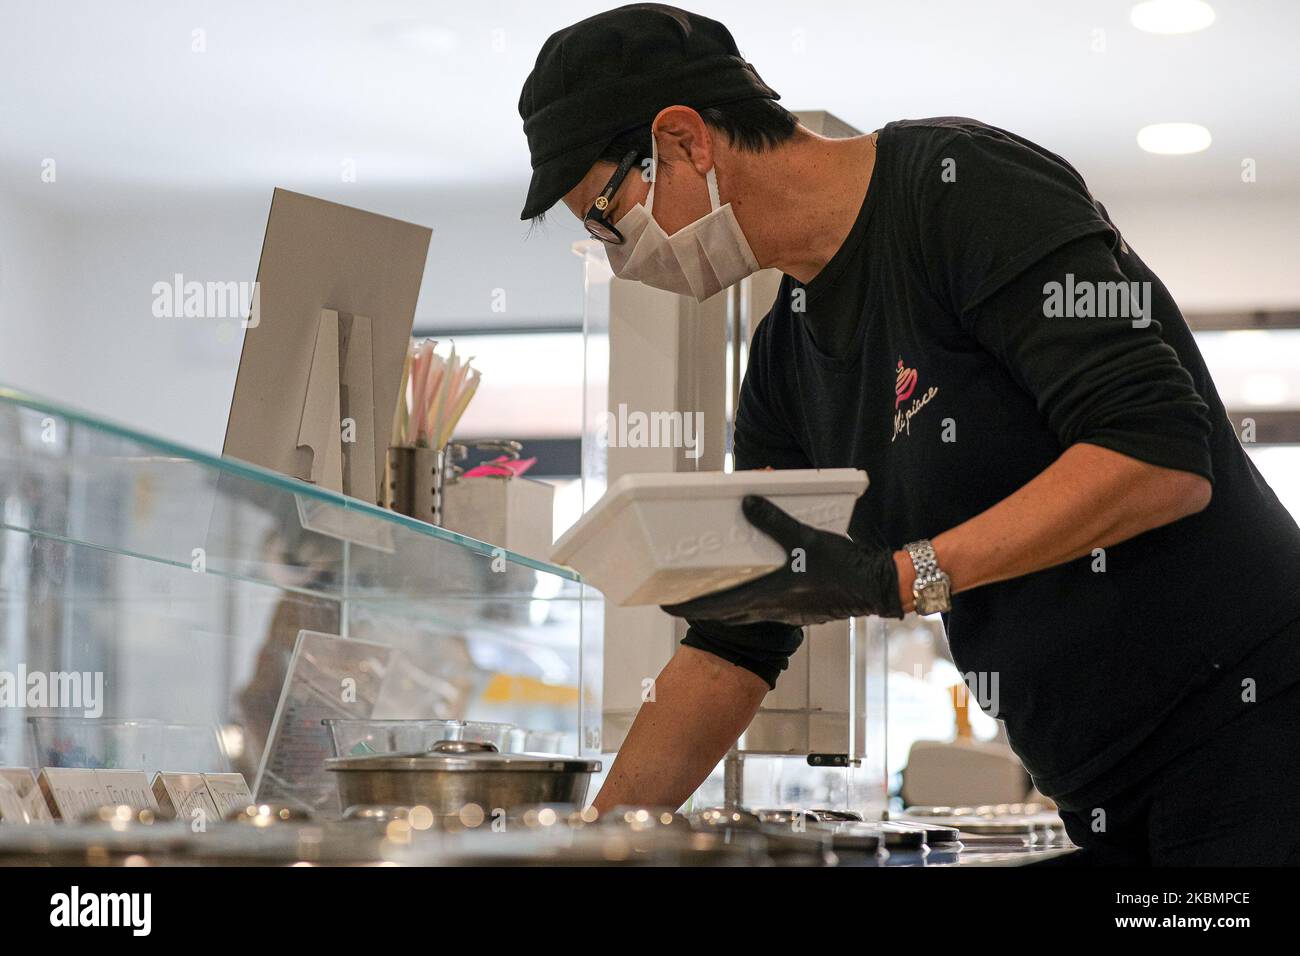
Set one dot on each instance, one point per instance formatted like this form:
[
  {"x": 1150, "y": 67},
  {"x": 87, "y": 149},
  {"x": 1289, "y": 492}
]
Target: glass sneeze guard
[
  {"x": 38, "y": 436},
  {"x": 182, "y": 579}
]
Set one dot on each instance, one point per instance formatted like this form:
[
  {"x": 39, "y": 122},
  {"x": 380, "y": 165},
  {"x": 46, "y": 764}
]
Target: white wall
[
  {"x": 33, "y": 277},
  {"x": 1218, "y": 253}
]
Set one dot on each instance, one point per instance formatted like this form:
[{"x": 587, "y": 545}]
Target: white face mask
[{"x": 698, "y": 260}]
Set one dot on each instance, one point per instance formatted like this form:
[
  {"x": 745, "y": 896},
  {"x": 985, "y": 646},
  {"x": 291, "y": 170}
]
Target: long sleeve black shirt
[{"x": 932, "y": 352}]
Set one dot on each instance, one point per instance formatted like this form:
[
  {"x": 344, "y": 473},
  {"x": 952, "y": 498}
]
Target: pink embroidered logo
[{"x": 904, "y": 385}]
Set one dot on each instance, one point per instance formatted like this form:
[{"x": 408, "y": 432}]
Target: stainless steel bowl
[{"x": 462, "y": 778}]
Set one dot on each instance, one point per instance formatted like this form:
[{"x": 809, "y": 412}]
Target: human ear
[{"x": 681, "y": 135}]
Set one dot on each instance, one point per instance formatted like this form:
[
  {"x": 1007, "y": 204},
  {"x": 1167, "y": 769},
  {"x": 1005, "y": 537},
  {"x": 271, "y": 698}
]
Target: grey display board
[{"x": 334, "y": 303}]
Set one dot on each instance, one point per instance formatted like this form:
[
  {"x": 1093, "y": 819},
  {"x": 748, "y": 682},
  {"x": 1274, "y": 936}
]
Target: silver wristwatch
[{"x": 932, "y": 588}]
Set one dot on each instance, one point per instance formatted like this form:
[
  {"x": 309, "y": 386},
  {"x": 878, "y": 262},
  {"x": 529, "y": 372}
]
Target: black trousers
[{"x": 1233, "y": 800}]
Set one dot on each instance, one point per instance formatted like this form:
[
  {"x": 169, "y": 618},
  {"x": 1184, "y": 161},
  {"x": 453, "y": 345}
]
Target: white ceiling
[{"x": 422, "y": 96}]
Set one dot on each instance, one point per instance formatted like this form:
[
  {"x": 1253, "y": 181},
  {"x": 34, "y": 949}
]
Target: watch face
[{"x": 934, "y": 597}]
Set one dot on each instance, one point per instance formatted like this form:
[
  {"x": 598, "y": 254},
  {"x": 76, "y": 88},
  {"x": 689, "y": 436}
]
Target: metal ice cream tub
[{"x": 461, "y": 778}]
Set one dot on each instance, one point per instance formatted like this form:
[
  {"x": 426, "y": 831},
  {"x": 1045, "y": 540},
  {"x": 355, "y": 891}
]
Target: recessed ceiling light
[
  {"x": 1174, "y": 139},
  {"x": 1172, "y": 16}
]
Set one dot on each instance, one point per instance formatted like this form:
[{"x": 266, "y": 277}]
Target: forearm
[
  {"x": 1088, "y": 498},
  {"x": 701, "y": 705}
]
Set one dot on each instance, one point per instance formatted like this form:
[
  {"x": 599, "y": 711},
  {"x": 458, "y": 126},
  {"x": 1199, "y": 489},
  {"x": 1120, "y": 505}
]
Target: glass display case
[{"x": 151, "y": 597}]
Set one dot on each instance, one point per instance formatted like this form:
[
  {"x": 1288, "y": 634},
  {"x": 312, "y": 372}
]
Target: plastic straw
[{"x": 434, "y": 395}]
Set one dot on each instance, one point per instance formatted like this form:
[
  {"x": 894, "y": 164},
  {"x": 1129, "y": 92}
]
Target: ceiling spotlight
[
  {"x": 1174, "y": 139},
  {"x": 1172, "y": 16}
]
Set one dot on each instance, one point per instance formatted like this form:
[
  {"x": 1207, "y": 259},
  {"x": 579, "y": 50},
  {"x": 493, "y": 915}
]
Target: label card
[
  {"x": 71, "y": 793},
  {"x": 11, "y": 808},
  {"x": 26, "y": 803},
  {"x": 126, "y": 787},
  {"x": 229, "y": 791},
  {"x": 329, "y": 676},
  {"x": 179, "y": 795}
]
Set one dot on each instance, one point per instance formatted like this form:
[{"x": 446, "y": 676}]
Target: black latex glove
[{"x": 826, "y": 577}]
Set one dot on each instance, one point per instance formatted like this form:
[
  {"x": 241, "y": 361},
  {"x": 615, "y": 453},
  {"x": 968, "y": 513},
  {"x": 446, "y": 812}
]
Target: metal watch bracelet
[{"x": 932, "y": 587}]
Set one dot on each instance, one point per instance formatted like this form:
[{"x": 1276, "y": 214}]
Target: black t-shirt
[{"x": 934, "y": 352}]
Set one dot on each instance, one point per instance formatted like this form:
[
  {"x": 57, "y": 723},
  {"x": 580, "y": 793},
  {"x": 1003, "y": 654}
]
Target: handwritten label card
[
  {"x": 71, "y": 793},
  {"x": 11, "y": 808},
  {"x": 26, "y": 804},
  {"x": 179, "y": 795},
  {"x": 229, "y": 791},
  {"x": 329, "y": 676},
  {"x": 126, "y": 788}
]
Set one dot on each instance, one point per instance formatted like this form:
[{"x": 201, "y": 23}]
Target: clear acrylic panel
[
  {"x": 179, "y": 581},
  {"x": 596, "y": 276}
]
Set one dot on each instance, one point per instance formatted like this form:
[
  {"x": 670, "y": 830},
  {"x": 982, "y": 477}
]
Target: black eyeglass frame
[{"x": 596, "y": 223}]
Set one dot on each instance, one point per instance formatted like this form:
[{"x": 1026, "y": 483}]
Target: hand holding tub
[{"x": 827, "y": 577}]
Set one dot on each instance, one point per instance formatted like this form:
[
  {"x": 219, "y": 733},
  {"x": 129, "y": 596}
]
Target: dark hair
[{"x": 752, "y": 125}]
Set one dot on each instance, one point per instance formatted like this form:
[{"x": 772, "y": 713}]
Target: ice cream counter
[{"x": 540, "y": 836}]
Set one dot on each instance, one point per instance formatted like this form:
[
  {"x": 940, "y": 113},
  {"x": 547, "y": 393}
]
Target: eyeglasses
[{"x": 598, "y": 226}]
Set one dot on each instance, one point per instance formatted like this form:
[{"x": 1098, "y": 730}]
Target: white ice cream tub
[{"x": 666, "y": 538}]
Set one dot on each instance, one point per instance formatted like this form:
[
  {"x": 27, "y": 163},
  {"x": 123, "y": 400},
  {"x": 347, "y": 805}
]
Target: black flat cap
[{"x": 613, "y": 72}]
